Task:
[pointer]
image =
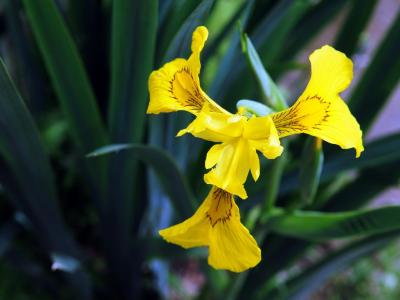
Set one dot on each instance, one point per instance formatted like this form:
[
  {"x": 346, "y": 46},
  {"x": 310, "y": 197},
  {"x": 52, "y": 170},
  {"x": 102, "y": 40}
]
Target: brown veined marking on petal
[
  {"x": 289, "y": 120},
  {"x": 221, "y": 207},
  {"x": 192, "y": 99}
]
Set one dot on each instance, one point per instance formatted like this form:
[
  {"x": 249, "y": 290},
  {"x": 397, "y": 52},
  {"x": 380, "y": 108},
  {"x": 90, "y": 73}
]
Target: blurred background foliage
[{"x": 74, "y": 79}]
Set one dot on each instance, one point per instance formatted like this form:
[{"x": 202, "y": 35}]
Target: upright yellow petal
[
  {"x": 263, "y": 136},
  {"x": 176, "y": 86},
  {"x": 232, "y": 168},
  {"x": 320, "y": 111}
]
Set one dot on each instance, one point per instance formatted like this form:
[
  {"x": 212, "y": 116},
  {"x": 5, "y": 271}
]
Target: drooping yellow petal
[
  {"x": 192, "y": 232},
  {"x": 320, "y": 111},
  {"x": 216, "y": 224},
  {"x": 176, "y": 86},
  {"x": 231, "y": 245}
]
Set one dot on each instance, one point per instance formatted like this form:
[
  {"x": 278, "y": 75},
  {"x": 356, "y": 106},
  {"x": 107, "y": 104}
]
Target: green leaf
[
  {"x": 180, "y": 45},
  {"x": 319, "y": 226},
  {"x": 178, "y": 13},
  {"x": 354, "y": 25},
  {"x": 134, "y": 30},
  {"x": 268, "y": 38},
  {"x": 134, "y": 27},
  {"x": 379, "y": 79},
  {"x": 303, "y": 285},
  {"x": 310, "y": 24},
  {"x": 29, "y": 72},
  {"x": 380, "y": 151},
  {"x": 369, "y": 183},
  {"x": 225, "y": 67},
  {"x": 272, "y": 95},
  {"x": 30, "y": 176},
  {"x": 271, "y": 33},
  {"x": 70, "y": 83},
  {"x": 171, "y": 178},
  {"x": 310, "y": 170}
]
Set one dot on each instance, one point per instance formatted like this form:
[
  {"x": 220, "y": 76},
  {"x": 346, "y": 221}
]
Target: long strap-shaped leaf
[
  {"x": 380, "y": 151},
  {"x": 319, "y": 226},
  {"x": 70, "y": 83},
  {"x": 168, "y": 173},
  {"x": 178, "y": 47},
  {"x": 380, "y": 78},
  {"x": 29, "y": 174},
  {"x": 302, "y": 286},
  {"x": 134, "y": 27}
]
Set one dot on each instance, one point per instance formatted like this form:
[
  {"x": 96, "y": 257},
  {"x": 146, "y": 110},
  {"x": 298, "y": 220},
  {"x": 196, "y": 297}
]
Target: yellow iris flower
[
  {"x": 319, "y": 111},
  {"x": 216, "y": 224}
]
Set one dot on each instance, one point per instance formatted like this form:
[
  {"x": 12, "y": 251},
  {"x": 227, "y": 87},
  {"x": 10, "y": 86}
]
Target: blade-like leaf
[
  {"x": 319, "y": 226},
  {"x": 312, "y": 23},
  {"x": 28, "y": 70},
  {"x": 369, "y": 184},
  {"x": 268, "y": 38},
  {"x": 382, "y": 74},
  {"x": 178, "y": 12},
  {"x": 168, "y": 173},
  {"x": 70, "y": 83},
  {"x": 302, "y": 286},
  {"x": 272, "y": 94},
  {"x": 31, "y": 177},
  {"x": 310, "y": 170},
  {"x": 380, "y": 151},
  {"x": 350, "y": 32},
  {"x": 179, "y": 47},
  {"x": 134, "y": 27},
  {"x": 133, "y": 41}
]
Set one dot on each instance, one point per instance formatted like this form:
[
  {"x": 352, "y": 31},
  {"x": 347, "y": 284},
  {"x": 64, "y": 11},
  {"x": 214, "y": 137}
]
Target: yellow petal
[
  {"x": 214, "y": 126},
  {"x": 231, "y": 245},
  {"x": 216, "y": 224},
  {"x": 254, "y": 164},
  {"x": 232, "y": 168},
  {"x": 320, "y": 111},
  {"x": 213, "y": 155},
  {"x": 263, "y": 136},
  {"x": 199, "y": 38},
  {"x": 192, "y": 232},
  {"x": 176, "y": 86},
  {"x": 331, "y": 71}
]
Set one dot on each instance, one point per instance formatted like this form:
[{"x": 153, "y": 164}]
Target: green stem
[{"x": 274, "y": 181}]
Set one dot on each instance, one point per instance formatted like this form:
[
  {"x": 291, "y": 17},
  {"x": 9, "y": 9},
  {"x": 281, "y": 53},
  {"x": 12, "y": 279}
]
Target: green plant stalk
[
  {"x": 310, "y": 171},
  {"x": 273, "y": 183},
  {"x": 270, "y": 92}
]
